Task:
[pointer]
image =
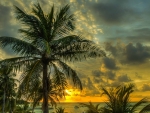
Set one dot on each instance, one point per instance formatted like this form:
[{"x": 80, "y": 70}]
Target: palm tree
[
  {"x": 47, "y": 44},
  {"x": 60, "y": 110},
  {"x": 119, "y": 100},
  {"x": 23, "y": 109},
  {"x": 34, "y": 93},
  {"x": 91, "y": 108},
  {"x": 8, "y": 83}
]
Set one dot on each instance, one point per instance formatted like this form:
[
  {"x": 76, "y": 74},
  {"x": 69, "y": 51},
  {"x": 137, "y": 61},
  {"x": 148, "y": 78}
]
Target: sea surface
[{"x": 77, "y": 108}]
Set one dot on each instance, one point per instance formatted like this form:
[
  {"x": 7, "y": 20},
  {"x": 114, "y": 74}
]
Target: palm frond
[
  {"x": 145, "y": 109},
  {"x": 63, "y": 23},
  {"x": 19, "y": 46},
  {"x": 142, "y": 101},
  {"x": 50, "y": 24},
  {"x": 60, "y": 110},
  {"x": 37, "y": 99},
  {"x": 30, "y": 74},
  {"x": 37, "y": 10},
  {"x": 91, "y": 107},
  {"x": 65, "y": 41},
  {"x": 76, "y": 50},
  {"x": 17, "y": 62},
  {"x": 29, "y": 20},
  {"x": 59, "y": 80},
  {"x": 70, "y": 73},
  {"x": 52, "y": 100}
]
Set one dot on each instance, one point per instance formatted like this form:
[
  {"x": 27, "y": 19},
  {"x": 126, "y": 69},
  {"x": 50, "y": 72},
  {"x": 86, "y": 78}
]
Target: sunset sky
[{"x": 120, "y": 27}]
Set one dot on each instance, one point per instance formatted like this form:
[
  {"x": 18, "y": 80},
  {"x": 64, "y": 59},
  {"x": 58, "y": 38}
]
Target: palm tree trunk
[
  {"x": 10, "y": 105},
  {"x": 4, "y": 102},
  {"x": 45, "y": 89}
]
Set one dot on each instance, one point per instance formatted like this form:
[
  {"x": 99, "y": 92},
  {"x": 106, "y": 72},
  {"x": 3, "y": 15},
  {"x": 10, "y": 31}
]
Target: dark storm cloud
[
  {"x": 137, "y": 53},
  {"x": 114, "y": 12},
  {"x": 115, "y": 49},
  {"x": 145, "y": 87},
  {"x": 126, "y": 20},
  {"x": 124, "y": 78},
  {"x": 110, "y": 63},
  {"x": 127, "y": 54}
]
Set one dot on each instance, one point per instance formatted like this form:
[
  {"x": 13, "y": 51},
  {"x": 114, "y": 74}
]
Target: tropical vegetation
[
  {"x": 119, "y": 101},
  {"x": 7, "y": 89},
  {"x": 60, "y": 110},
  {"x": 44, "y": 49},
  {"x": 91, "y": 107}
]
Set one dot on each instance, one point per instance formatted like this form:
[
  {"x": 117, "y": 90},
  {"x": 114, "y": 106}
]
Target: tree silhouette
[
  {"x": 91, "y": 108},
  {"x": 47, "y": 44},
  {"x": 119, "y": 100},
  {"x": 8, "y": 85}
]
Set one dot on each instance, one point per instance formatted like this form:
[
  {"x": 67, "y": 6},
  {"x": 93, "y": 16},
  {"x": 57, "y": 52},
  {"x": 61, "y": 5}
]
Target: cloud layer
[{"x": 121, "y": 27}]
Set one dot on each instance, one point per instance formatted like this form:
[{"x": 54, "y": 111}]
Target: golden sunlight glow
[
  {"x": 72, "y": 95},
  {"x": 68, "y": 92},
  {"x": 72, "y": 92}
]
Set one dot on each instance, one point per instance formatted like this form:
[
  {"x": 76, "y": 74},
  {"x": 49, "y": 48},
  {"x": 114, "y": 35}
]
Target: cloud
[
  {"x": 114, "y": 12},
  {"x": 127, "y": 53},
  {"x": 89, "y": 87},
  {"x": 142, "y": 35},
  {"x": 110, "y": 63},
  {"x": 4, "y": 20},
  {"x": 110, "y": 75},
  {"x": 115, "y": 84},
  {"x": 6, "y": 27},
  {"x": 98, "y": 80},
  {"x": 145, "y": 87},
  {"x": 124, "y": 78},
  {"x": 97, "y": 73},
  {"x": 138, "y": 76},
  {"x": 109, "y": 47},
  {"x": 137, "y": 53},
  {"x": 143, "y": 31}
]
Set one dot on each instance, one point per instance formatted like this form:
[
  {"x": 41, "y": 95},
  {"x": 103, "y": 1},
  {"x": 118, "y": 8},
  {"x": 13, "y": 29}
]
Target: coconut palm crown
[
  {"x": 46, "y": 45},
  {"x": 119, "y": 100}
]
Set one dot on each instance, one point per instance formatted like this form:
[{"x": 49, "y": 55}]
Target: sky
[{"x": 120, "y": 27}]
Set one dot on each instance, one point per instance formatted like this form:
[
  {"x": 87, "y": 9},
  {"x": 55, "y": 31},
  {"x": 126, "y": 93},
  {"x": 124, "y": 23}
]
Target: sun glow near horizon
[{"x": 74, "y": 95}]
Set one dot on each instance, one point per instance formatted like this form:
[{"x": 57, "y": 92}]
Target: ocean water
[
  {"x": 69, "y": 108},
  {"x": 77, "y": 108}
]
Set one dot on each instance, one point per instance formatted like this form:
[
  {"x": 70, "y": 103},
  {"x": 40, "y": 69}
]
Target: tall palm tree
[
  {"x": 34, "y": 92},
  {"x": 119, "y": 100},
  {"x": 8, "y": 84},
  {"x": 47, "y": 44}
]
